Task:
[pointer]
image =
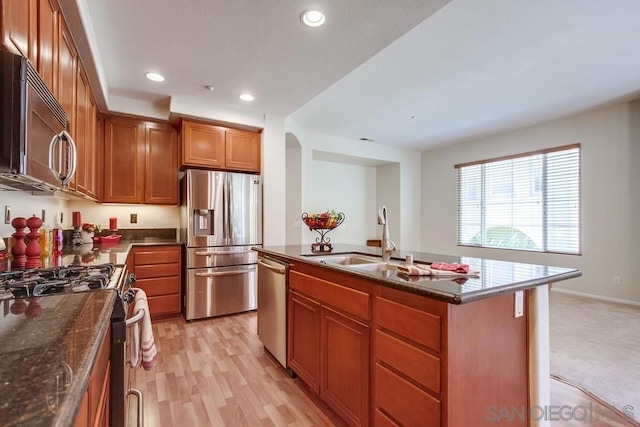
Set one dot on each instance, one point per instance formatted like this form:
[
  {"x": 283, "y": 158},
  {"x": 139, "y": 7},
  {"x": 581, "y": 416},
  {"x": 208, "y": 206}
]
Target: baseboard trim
[{"x": 598, "y": 297}]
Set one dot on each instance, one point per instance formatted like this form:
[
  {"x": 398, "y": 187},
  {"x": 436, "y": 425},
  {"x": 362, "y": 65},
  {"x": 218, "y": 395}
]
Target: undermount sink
[
  {"x": 356, "y": 262},
  {"x": 378, "y": 267},
  {"x": 345, "y": 259}
]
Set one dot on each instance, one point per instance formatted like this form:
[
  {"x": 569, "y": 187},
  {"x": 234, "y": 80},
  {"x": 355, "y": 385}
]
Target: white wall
[
  {"x": 274, "y": 187},
  {"x": 293, "y": 193},
  {"x": 408, "y": 237},
  {"x": 387, "y": 185},
  {"x": 25, "y": 205},
  {"x": 149, "y": 216},
  {"x": 344, "y": 188},
  {"x": 609, "y": 180}
]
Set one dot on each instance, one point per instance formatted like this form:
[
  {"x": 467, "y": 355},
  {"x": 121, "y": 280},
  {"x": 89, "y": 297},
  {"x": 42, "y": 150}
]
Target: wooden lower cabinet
[
  {"x": 439, "y": 364},
  {"x": 304, "y": 339},
  {"x": 385, "y": 357},
  {"x": 158, "y": 271},
  {"x": 345, "y": 366},
  {"x": 328, "y": 347},
  {"x": 94, "y": 409}
]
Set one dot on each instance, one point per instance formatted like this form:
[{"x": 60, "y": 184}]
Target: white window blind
[{"x": 528, "y": 202}]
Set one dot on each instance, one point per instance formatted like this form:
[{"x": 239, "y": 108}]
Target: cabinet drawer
[
  {"x": 160, "y": 286},
  {"x": 404, "y": 401},
  {"x": 416, "y": 364},
  {"x": 346, "y": 299},
  {"x": 162, "y": 305},
  {"x": 163, "y": 256},
  {"x": 416, "y": 325},
  {"x": 381, "y": 420},
  {"x": 157, "y": 270}
]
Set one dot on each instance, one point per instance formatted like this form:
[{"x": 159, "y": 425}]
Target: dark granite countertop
[
  {"x": 47, "y": 353},
  {"x": 93, "y": 253},
  {"x": 496, "y": 277},
  {"x": 52, "y": 336}
]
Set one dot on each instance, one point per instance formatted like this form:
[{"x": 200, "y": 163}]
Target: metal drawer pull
[
  {"x": 138, "y": 394},
  {"x": 222, "y": 273},
  {"x": 279, "y": 270},
  {"x": 208, "y": 253}
]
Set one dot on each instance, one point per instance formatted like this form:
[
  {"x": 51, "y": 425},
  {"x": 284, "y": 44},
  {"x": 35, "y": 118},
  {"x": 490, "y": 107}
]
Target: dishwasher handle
[{"x": 276, "y": 269}]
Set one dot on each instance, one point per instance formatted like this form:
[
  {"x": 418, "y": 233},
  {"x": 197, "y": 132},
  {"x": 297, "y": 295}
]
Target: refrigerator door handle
[
  {"x": 208, "y": 253},
  {"x": 222, "y": 273},
  {"x": 228, "y": 209}
]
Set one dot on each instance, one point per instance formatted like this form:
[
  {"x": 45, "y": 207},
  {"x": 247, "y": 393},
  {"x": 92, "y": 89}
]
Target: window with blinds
[{"x": 528, "y": 202}]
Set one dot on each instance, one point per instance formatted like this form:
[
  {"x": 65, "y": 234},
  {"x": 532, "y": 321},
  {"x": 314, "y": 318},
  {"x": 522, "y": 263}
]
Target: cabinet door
[
  {"x": 19, "y": 27},
  {"x": 242, "y": 150},
  {"x": 91, "y": 152},
  {"x": 161, "y": 165},
  {"x": 202, "y": 145},
  {"x": 81, "y": 132},
  {"x": 304, "y": 339},
  {"x": 345, "y": 366},
  {"x": 47, "y": 63},
  {"x": 124, "y": 161}
]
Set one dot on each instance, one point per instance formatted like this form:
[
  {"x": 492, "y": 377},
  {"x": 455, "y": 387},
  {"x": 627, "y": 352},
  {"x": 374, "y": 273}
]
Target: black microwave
[{"x": 36, "y": 151}]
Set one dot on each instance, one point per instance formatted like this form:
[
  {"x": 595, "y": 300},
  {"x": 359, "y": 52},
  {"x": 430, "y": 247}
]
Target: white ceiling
[{"x": 461, "y": 69}]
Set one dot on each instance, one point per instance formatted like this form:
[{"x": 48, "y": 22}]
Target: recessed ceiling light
[
  {"x": 313, "y": 18},
  {"x": 246, "y": 97},
  {"x": 155, "y": 77},
  {"x": 209, "y": 87}
]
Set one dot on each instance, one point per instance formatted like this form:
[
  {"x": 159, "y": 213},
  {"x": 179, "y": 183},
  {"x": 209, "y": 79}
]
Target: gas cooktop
[{"x": 55, "y": 280}]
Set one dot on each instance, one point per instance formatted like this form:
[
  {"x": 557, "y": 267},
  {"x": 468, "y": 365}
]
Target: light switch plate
[{"x": 519, "y": 304}]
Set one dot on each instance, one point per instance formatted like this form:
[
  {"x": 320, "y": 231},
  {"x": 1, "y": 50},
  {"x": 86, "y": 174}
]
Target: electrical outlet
[
  {"x": 7, "y": 214},
  {"x": 616, "y": 280},
  {"x": 518, "y": 309},
  {"x": 134, "y": 219}
]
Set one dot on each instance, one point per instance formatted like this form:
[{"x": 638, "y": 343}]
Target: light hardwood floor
[{"x": 215, "y": 372}]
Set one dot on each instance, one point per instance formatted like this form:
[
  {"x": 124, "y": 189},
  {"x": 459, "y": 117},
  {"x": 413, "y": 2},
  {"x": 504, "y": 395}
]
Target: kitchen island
[{"x": 382, "y": 348}]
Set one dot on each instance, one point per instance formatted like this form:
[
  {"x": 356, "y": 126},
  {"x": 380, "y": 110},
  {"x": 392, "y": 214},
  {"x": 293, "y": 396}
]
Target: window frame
[{"x": 543, "y": 189}]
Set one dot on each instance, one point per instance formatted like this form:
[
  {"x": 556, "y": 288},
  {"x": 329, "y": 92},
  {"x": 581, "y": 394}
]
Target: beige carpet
[{"x": 596, "y": 345}]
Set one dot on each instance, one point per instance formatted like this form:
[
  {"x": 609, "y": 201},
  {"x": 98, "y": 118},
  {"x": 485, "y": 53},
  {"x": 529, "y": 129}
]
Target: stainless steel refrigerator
[{"x": 221, "y": 219}]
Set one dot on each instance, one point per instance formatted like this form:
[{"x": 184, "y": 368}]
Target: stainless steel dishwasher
[{"x": 273, "y": 279}]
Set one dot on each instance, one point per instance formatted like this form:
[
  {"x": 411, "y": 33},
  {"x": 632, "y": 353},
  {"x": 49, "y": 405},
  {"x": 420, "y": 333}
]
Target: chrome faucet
[{"x": 388, "y": 247}]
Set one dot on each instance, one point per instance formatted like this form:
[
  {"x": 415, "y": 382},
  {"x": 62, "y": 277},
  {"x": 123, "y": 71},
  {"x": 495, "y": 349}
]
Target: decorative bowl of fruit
[{"x": 323, "y": 221}]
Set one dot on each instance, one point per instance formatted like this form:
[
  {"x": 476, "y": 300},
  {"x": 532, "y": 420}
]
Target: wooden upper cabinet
[
  {"x": 141, "y": 162},
  {"x": 202, "y": 145},
  {"x": 242, "y": 150},
  {"x": 19, "y": 27},
  {"x": 210, "y": 146},
  {"x": 85, "y": 136},
  {"x": 91, "y": 149},
  {"x": 161, "y": 164},
  {"x": 80, "y": 134},
  {"x": 123, "y": 161},
  {"x": 47, "y": 43},
  {"x": 67, "y": 74}
]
